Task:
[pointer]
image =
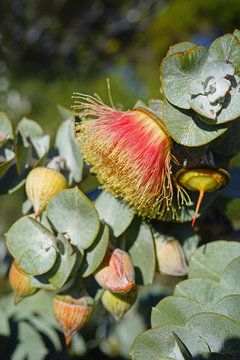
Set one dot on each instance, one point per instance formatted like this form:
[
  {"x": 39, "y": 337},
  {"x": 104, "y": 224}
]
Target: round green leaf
[
  {"x": 29, "y": 128},
  {"x": 237, "y": 34},
  {"x": 206, "y": 291},
  {"x": 140, "y": 246},
  {"x": 234, "y": 58},
  {"x": 230, "y": 108},
  {"x": 217, "y": 68},
  {"x": 155, "y": 106},
  {"x": 229, "y": 306},
  {"x": 222, "y": 47},
  {"x": 183, "y": 348},
  {"x": 74, "y": 215},
  {"x": 210, "y": 260},
  {"x": 175, "y": 310},
  {"x": 180, "y": 47},
  {"x": 230, "y": 277},
  {"x": 32, "y": 245},
  {"x": 6, "y": 157},
  {"x": 187, "y": 129},
  {"x": 221, "y": 333},
  {"x": 94, "y": 255},
  {"x": 178, "y": 70},
  {"x": 23, "y": 154},
  {"x": 203, "y": 107},
  {"x": 67, "y": 261},
  {"x": 114, "y": 212},
  {"x": 152, "y": 344},
  {"x": 6, "y": 126},
  {"x": 41, "y": 145},
  {"x": 70, "y": 149}
]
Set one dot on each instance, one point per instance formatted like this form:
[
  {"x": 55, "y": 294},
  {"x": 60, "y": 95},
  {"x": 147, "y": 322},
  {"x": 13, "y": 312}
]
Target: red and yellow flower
[{"x": 130, "y": 152}]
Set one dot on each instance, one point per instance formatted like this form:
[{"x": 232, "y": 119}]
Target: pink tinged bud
[
  {"x": 20, "y": 283},
  {"x": 71, "y": 314},
  {"x": 116, "y": 273},
  {"x": 130, "y": 152},
  {"x": 118, "y": 304},
  {"x": 170, "y": 256}
]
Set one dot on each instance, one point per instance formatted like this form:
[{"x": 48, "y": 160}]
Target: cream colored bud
[
  {"x": 42, "y": 184},
  {"x": 170, "y": 256},
  {"x": 118, "y": 304}
]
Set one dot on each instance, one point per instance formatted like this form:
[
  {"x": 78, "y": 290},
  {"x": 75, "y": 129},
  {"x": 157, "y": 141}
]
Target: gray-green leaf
[
  {"x": 74, "y": 215},
  {"x": 114, "y": 212},
  {"x": 32, "y": 245}
]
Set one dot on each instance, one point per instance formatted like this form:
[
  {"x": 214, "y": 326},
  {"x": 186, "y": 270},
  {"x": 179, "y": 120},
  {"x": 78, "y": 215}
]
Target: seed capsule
[
  {"x": 42, "y": 184},
  {"x": 20, "y": 283},
  {"x": 170, "y": 256},
  {"x": 71, "y": 314},
  {"x": 116, "y": 273},
  {"x": 202, "y": 178},
  {"x": 118, "y": 304}
]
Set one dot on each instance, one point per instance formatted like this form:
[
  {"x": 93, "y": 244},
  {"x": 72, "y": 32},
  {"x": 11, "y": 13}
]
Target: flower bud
[
  {"x": 118, "y": 304},
  {"x": 170, "y": 256},
  {"x": 116, "y": 273},
  {"x": 20, "y": 283},
  {"x": 202, "y": 178},
  {"x": 71, "y": 314},
  {"x": 42, "y": 184}
]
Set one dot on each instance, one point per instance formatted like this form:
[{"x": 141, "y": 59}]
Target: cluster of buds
[{"x": 116, "y": 274}]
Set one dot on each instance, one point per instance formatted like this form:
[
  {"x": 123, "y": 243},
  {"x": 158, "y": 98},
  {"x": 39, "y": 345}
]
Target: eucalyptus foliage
[{"x": 64, "y": 247}]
